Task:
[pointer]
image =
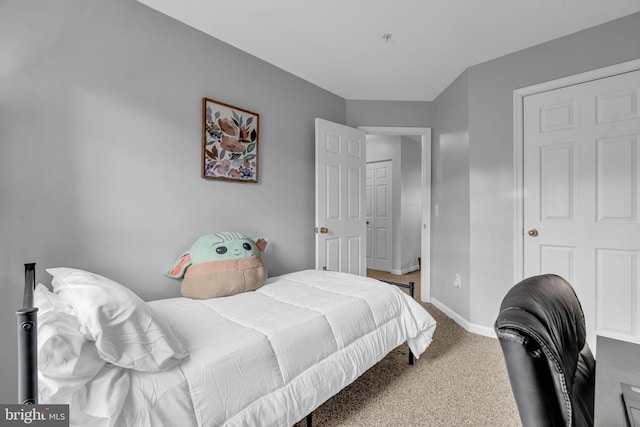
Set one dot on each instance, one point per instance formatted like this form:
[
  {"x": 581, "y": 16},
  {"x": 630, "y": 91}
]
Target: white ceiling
[{"x": 339, "y": 45}]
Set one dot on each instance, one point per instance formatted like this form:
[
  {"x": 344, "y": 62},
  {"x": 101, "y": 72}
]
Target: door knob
[
  {"x": 323, "y": 230},
  {"x": 533, "y": 232}
]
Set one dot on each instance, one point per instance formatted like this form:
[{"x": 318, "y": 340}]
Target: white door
[
  {"x": 582, "y": 197},
  {"x": 340, "y": 198},
  {"x": 379, "y": 216}
]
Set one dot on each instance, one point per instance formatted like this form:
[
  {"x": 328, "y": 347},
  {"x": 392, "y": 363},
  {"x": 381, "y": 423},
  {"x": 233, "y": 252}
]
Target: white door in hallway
[
  {"x": 582, "y": 197},
  {"x": 379, "y": 215},
  {"x": 340, "y": 198}
]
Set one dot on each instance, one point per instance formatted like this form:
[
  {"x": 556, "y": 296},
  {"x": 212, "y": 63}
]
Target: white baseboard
[
  {"x": 405, "y": 270},
  {"x": 482, "y": 330},
  {"x": 464, "y": 323}
]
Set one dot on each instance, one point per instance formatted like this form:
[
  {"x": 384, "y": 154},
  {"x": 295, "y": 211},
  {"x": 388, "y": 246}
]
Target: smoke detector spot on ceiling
[{"x": 387, "y": 37}]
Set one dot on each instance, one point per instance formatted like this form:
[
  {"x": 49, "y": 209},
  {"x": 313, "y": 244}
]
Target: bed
[{"x": 263, "y": 358}]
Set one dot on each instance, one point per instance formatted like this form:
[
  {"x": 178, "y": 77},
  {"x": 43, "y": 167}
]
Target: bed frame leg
[
  {"x": 310, "y": 420},
  {"x": 27, "y": 356},
  {"x": 27, "y": 318}
]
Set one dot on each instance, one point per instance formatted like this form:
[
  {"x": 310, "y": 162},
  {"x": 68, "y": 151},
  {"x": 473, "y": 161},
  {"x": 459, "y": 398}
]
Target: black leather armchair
[{"x": 541, "y": 330}]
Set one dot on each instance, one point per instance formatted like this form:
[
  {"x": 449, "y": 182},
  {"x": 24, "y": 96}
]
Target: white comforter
[{"x": 270, "y": 357}]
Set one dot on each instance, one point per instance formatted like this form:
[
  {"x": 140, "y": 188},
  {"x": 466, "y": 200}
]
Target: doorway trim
[
  {"x": 518, "y": 141},
  {"x": 425, "y": 235}
]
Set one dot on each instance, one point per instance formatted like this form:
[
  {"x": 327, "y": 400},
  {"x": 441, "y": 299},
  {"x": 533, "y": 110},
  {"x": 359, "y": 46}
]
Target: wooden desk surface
[{"x": 616, "y": 362}]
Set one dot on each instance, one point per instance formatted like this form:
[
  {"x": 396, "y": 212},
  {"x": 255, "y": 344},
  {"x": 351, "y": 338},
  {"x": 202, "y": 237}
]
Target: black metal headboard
[{"x": 27, "y": 341}]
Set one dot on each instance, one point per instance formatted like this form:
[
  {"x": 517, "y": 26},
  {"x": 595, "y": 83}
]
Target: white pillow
[
  {"x": 66, "y": 359},
  {"x": 48, "y": 303},
  {"x": 125, "y": 329}
]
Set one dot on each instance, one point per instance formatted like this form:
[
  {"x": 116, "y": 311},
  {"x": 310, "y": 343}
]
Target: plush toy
[{"x": 220, "y": 264}]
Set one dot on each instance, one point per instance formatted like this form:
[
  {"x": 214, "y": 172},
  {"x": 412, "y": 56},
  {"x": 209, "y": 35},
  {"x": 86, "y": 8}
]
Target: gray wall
[
  {"x": 450, "y": 193},
  {"x": 411, "y": 203},
  {"x": 389, "y": 113},
  {"x": 473, "y": 164},
  {"x": 491, "y": 162},
  {"x": 100, "y": 133}
]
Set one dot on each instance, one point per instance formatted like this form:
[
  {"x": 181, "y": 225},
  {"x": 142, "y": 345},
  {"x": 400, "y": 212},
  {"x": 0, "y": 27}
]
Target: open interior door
[{"x": 340, "y": 198}]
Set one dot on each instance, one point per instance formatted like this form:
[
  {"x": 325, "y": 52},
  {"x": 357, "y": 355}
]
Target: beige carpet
[{"x": 459, "y": 381}]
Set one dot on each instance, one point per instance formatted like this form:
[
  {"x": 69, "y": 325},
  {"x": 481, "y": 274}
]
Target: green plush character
[{"x": 220, "y": 264}]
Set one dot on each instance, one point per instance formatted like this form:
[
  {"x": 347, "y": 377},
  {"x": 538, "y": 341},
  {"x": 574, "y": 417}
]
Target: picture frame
[{"x": 229, "y": 142}]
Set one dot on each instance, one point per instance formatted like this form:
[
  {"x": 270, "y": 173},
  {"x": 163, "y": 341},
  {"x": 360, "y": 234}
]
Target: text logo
[{"x": 34, "y": 415}]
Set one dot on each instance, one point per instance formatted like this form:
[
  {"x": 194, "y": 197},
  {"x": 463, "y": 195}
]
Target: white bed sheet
[{"x": 270, "y": 357}]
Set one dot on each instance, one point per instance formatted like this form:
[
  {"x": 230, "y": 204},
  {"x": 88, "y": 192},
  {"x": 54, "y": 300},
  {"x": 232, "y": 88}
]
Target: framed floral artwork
[{"x": 229, "y": 142}]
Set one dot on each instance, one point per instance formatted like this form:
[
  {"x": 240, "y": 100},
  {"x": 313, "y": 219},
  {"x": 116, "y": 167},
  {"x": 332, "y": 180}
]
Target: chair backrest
[{"x": 542, "y": 333}]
